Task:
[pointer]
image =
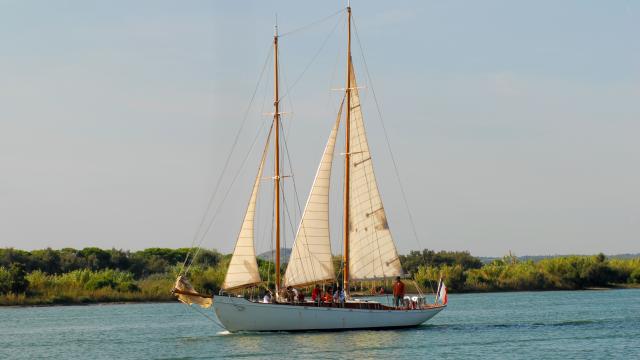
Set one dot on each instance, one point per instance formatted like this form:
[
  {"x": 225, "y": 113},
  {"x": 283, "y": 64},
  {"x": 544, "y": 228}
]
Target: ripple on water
[{"x": 554, "y": 325}]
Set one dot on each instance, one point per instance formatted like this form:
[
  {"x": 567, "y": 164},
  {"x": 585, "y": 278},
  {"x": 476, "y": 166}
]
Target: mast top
[{"x": 275, "y": 27}]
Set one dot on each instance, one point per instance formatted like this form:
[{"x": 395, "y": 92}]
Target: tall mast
[
  {"x": 276, "y": 177},
  {"x": 347, "y": 161}
]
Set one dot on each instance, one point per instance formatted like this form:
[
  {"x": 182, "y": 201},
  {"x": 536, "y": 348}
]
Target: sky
[{"x": 515, "y": 125}]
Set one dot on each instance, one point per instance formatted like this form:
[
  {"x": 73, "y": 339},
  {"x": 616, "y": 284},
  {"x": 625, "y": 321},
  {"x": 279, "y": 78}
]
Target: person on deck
[
  {"x": 398, "y": 292},
  {"x": 289, "y": 294},
  {"x": 267, "y": 297},
  {"x": 316, "y": 294},
  {"x": 328, "y": 296},
  {"x": 338, "y": 296}
]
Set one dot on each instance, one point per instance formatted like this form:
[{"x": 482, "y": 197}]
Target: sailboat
[{"x": 369, "y": 250}]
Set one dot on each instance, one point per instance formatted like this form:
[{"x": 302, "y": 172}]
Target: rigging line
[
  {"x": 262, "y": 233},
  {"x": 330, "y": 104},
  {"x": 295, "y": 245},
  {"x": 295, "y": 192},
  {"x": 284, "y": 139},
  {"x": 205, "y": 315},
  {"x": 315, "y": 56},
  {"x": 339, "y": 54},
  {"x": 228, "y": 160},
  {"x": 291, "y": 110},
  {"x": 286, "y": 208},
  {"x": 254, "y": 195},
  {"x": 386, "y": 135},
  {"x": 293, "y": 178},
  {"x": 301, "y": 227},
  {"x": 224, "y": 198},
  {"x": 235, "y": 143},
  {"x": 340, "y": 203},
  {"x": 267, "y": 85},
  {"x": 283, "y": 233},
  {"x": 272, "y": 237},
  {"x": 308, "y": 26}
]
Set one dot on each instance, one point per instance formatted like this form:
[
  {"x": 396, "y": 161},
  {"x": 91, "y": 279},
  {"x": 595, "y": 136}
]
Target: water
[{"x": 524, "y": 325}]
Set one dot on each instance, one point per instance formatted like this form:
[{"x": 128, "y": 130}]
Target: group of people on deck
[
  {"x": 332, "y": 295},
  {"x": 290, "y": 295},
  {"x": 329, "y": 296}
]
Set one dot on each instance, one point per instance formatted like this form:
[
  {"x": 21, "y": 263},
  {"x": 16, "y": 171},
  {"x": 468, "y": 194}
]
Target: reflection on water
[{"x": 580, "y": 324}]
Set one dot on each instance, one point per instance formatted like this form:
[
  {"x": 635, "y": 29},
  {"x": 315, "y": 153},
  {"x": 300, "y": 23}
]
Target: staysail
[
  {"x": 311, "y": 260},
  {"x": 243, "y": 268},
  {"x": 372, "y": 253}
]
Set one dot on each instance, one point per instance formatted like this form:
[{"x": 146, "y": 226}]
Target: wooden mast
[
  {"x": 347, "y": 162},
  {"x": 276, "y": 177}
]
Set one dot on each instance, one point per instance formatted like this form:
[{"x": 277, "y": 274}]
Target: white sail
[
  {"x": 310, "y": 260},
  {"x": 372, "y": 252},
  {"x": 243, "y": 268}
]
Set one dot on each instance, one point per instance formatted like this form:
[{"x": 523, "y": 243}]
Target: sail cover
[
  {"x": 243, "y": 268},
  {"x": 310, "y": 260},
  {"x": 372, "y": 252}
]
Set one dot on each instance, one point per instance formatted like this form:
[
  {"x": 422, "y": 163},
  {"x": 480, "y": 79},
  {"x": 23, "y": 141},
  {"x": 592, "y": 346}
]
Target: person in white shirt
[{"x": 338, "y": 296}]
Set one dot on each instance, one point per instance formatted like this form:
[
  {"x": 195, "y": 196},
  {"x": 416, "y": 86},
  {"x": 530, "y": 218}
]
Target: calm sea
[{"x": 523, "y": 325}]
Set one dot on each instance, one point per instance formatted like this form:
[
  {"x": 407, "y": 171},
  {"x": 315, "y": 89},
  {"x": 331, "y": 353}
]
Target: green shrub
[
  {"x": 13, "y": 280},
  {"x": 113, "y": 279}
]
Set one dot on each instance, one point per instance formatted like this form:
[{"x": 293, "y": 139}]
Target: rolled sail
[{"x": 188, "y": 295}]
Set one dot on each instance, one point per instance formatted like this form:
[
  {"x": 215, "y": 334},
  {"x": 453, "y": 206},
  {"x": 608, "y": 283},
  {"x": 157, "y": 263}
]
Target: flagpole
[{"x": 438, "y": 290}]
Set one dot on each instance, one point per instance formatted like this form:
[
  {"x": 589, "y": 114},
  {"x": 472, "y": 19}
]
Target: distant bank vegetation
[
  {"x": 574, "y": 272},
  {"x": 69, "y": 276}
]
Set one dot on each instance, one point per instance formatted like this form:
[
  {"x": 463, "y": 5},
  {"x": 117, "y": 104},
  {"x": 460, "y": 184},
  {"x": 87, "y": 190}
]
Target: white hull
[{"x": 239, "y": 314}]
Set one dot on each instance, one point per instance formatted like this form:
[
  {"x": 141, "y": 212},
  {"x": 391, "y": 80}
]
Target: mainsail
[
  {"x": 372, "y": 252},
  {"x": 243, "y": 268},
  {"x": 311, "y": 260}
]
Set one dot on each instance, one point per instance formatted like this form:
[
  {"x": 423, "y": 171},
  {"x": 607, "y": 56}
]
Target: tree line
[
  {"x": 512, "y": 274},
  {"x": 92, "y": 274},
  {"x": 139, "y": 263}
]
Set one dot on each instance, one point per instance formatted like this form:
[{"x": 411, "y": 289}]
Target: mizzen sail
[
  {"x": 372, "y": 252},
  {"x": 311, "y": 260},
  {"x": 243, "y": 268}
]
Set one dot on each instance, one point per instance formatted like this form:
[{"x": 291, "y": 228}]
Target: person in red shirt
[
  {"x": 316, "y": 294},
  {"x": 398, "y": 292}
]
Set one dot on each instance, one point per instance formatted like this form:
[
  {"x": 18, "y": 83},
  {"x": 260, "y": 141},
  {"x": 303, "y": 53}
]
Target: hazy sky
[{"x": 516, "y": 125}]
